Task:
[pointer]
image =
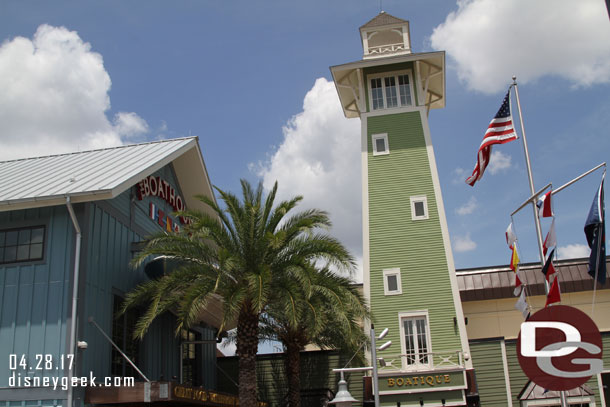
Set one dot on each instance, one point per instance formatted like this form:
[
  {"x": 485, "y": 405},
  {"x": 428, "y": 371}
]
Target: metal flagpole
[
  {"x": 563, "y": 398},
  {"x": 531, "y": 182}
]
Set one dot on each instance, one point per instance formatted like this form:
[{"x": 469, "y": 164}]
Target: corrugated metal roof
[
  {"x": 498, "y": 282},
  {"x": 383, "y": 18},
  {"x": 86, "y": 174}
]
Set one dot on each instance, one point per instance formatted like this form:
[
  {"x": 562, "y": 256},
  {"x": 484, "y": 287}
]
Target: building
[
  {"x": 453, "y": 333},
  {"x": 409, "y": 276},
  {"x": 69, "y": 225},
  {"x": 493, "y": 326}
]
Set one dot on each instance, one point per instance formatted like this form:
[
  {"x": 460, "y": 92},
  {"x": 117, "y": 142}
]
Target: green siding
[
  {"x": 489, "y": 369},
  {"x": 316, "y": 376},
  {"x": 416, "y": 247}
]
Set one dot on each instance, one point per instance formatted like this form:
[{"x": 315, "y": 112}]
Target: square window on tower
[
  {"x": 419, "y": 207},
  {"x": 380, "y": 144}
]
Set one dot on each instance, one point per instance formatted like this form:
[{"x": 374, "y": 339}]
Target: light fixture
[
  {"x": 383, "y": 334},
  {"x": 385, "y": 345},
  {"x": 382, "y": 362},
  {"x": 343, "y": 398}
]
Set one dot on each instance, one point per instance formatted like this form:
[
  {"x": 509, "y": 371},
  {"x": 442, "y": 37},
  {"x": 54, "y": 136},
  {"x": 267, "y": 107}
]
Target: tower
[{"x": 409, "y": 274}]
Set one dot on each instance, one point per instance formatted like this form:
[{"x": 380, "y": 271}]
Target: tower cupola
[{"x": 385, "y": 35}]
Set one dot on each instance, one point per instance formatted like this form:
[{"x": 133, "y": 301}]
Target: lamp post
[
  {"x": 343, "y": 398},
  {"x": 374, "y": 359}
]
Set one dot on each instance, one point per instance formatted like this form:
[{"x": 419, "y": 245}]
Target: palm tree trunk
[
  {"x": 247, "y": 346},
  {"x": 293, "y": 370}
]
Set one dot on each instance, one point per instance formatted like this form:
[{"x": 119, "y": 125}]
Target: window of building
[
  {"x": 415, "y": 338},
  {"x": 122, "y": 334},
  {"x": 419, "y": 207},
  {"x": 391, "y": 90},
  {"x": 22, "y": 244},
  {"x": 191, "y": 357},
  {"x": 391, "y": 281},
  {"x": 380, "y": 144}
]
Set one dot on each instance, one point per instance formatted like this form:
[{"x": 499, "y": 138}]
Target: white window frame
[
  {"x": 419, "y": 198},
  {"x": 374, "y": 138},
  {"x": 422, "y": 314},
  {"x": 384, "y": 75},
  {"x": 392, "y": 272}
]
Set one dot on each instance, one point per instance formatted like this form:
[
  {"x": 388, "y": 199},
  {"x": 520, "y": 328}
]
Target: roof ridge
[
  {"x": 100, "y": 149},
  {"x": 385, "y": 15}
]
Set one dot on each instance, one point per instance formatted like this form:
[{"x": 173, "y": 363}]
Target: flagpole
[
  {"x": 531, "y": 181},
  {"x": 563, "y": 398}
]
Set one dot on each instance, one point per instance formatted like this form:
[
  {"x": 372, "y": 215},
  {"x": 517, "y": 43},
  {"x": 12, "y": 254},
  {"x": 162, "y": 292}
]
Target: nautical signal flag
[
  {"x": 595, "y": 231},
  {"x": 548, "y": 269},
  {"x": 499, "y": 131},
  {"x": 554, "y": 295},
  {"x": 551, "y": 238},
  {"x": 544, "y": 205},
  {"x": 522, "y": 306},
  {"x": 511, "y": 237}
]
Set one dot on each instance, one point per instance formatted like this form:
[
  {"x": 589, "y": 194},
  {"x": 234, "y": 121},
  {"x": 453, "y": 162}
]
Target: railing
[
  {"x": 382, "y": 49},
  {"x": 417, "y": 362}
]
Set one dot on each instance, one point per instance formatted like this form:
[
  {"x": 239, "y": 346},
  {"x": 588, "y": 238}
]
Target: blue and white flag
[{"x": 595, "y": 230}]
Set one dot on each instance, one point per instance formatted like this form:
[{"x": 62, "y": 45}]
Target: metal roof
[
  {"x": 498, "y": 282},
  {"x": 87, "y": 175},
  {"x": 383, "y": 18}
]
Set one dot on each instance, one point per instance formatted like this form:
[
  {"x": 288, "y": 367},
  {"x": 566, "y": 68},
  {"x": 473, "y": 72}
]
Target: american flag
[{"x": 499, "y": 131}]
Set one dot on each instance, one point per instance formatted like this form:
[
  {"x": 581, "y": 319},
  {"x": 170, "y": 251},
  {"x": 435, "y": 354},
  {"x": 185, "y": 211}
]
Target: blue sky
[{"x": 251, "y": 79}]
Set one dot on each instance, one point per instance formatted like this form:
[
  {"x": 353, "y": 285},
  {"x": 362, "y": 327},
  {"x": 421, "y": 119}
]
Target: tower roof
[{"x": 383, "y": 18}]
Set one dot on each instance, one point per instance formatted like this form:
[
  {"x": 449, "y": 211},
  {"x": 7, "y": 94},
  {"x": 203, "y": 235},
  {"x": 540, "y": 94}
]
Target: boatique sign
[{"x": 422, "y": 381}]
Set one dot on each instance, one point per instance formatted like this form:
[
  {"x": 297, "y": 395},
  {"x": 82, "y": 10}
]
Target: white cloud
[
  {"x": 463, "y": 244},
  {"x": 573, "y": 251},
  {"x": 459, "y": 176},
  {"x": 54, "y": 97},
  {"x": 491, "y": 40},
  {"x": 319, "y": 158},
  {"x": 498, "y": 162},
  {"x": 468, "y": 208},
  {"x": 129, "y": 124}
]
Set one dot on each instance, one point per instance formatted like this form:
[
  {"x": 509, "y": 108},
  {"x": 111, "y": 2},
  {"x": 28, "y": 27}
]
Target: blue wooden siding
[{"x": 35, "y": 296}]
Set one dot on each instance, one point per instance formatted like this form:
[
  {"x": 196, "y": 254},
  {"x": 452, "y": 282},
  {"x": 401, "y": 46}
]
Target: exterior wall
[
  {"x": 499, "y": 318},
  {"x": 489, "y": 367},
  {"x": 491, "y": 375},
  {"x": 416, "y": 247},
  {"x": 113, "y": 226},
  {"x": 316, "y": 376},
  {"x": 35, "y": 296}
]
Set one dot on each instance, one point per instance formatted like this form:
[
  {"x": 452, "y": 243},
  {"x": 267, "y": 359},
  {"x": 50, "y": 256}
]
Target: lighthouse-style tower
[{"x": 409, "y": 274}]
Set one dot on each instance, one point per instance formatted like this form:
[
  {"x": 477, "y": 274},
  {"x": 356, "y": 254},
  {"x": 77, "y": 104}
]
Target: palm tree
[
  {"x": 316, "y": 307},
  {"x": 239, "y": 254}
]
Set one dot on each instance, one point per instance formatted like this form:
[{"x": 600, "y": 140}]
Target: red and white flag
[
  {"x": 551, "y": 238},
  {"x": 554, "y": 294},
  {"x": 499, "y": 131},
  {"x": 545, "y": 209}
]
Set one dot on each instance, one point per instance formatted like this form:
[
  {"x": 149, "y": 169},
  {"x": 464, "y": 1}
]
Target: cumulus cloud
[
  {"x": 573, "y": 251},
  {"x": 459, "y": 176},
  {"x": 319, "y": 158},
  {"x": 498, "y": 162},
  {"x": 491, "y": 40},
  {"x": 468, "y": 208},
  {"x": 54, "y": 97},
  {"x": 463, "y": 244}
]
